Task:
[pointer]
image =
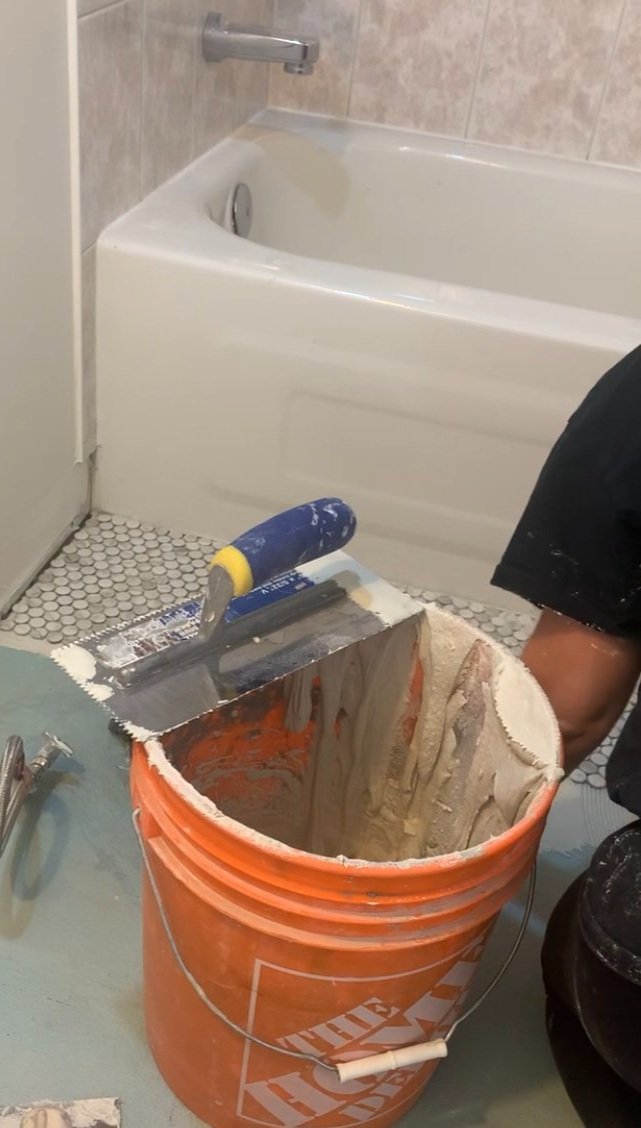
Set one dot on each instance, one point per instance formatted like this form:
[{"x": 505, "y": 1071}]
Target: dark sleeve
[{"x": 577, "y": 547}]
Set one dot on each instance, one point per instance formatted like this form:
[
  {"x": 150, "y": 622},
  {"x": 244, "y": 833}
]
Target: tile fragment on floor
[{"x": 95, "y": 1113}]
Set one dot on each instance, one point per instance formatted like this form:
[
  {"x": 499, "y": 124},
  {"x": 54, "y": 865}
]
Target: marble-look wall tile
[
  {"x": 543, "y": 71},
  {"x": 618, "y": 134},
  {"x": 171, "y": 42},
  {"x": 89, "y": 350},
  {"x": 214, "y": 112},
  {"x": 110, "y": 77},
  {"x": 148, "y": 104},
  {"x": 326, "y": 91},
  {"x": 252, "y": 79},
  {"x": 86, "y": 6},
  {"x": 416, "y": 62},
  {"x": 228, "y": 93}
]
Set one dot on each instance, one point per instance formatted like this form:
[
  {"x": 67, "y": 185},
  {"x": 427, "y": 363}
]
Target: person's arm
[
  {"x": 587, "y": 675},
  {"x": 576, "y": 552}
]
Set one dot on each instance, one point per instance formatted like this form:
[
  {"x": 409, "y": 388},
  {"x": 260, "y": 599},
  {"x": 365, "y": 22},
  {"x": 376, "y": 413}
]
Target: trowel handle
[{"x": 281, "y": 543}]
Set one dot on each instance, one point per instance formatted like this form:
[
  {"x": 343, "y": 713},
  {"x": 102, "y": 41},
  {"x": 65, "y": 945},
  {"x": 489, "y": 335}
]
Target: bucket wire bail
[{"x": 363, "y": 1067}]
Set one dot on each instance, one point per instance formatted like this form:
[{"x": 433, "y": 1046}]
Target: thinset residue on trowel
[
  {"x": 95, "y": 1113},
  {"x": 422, "y": 741}
]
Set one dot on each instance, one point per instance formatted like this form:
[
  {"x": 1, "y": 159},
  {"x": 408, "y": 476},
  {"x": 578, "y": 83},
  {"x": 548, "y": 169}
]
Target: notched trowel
[{"x": 272, "y": 606}]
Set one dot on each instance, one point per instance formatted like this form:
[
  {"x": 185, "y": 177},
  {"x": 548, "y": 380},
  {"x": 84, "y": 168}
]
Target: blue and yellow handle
[{"x": 281, "y": 543}]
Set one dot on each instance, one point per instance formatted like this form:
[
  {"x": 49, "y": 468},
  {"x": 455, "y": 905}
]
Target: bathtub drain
[{"x": 241, "y": 210}]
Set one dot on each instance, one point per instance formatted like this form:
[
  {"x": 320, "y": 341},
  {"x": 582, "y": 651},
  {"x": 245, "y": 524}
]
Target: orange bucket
[{"x": 282, "y": 962}]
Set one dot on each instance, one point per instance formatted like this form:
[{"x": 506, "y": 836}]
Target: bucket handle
[{"x": 348, "y": 1070}]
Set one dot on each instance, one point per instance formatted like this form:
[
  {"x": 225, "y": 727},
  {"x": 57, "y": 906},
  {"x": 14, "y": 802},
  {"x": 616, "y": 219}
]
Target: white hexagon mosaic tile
[
  {"x": 112, "y": 570},
  {"x": 115, "y": 568}
]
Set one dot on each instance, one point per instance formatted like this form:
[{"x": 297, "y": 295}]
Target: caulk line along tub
[{"x": 325, "y": 859}]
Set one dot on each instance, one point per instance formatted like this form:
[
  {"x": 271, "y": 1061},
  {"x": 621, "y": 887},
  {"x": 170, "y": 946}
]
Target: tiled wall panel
[
  {"x": 558, "y": 76},
  {"x": 149, "y": 105}
]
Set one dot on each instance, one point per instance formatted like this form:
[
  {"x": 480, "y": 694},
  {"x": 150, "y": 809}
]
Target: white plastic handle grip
[{"x": 393, "y": 1059}]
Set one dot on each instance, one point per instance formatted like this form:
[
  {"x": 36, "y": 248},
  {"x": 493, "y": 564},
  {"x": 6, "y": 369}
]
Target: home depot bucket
[{"x": 325, "y": 861}]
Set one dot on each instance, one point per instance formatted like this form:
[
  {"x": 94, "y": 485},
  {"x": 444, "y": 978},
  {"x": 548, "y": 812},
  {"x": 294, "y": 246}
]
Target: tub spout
[{"x": 221, "y": 40}]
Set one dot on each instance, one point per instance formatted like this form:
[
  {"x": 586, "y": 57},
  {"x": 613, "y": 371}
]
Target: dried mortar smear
[
  {"x": 103, "y": 1112},
  {"x": 461, "y": 779}
]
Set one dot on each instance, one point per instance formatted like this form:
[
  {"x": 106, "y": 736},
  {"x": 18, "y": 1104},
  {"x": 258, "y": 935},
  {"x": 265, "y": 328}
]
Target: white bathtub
[{"x": 409, "y": 325}]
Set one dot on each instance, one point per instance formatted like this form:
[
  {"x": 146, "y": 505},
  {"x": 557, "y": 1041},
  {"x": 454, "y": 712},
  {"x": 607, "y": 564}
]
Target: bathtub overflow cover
[{"x": 241, "y": 210}]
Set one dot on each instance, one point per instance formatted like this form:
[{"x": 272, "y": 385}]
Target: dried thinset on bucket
[
  {"x": 425, "y": 740},
  {"x": 384, "y": 790}
]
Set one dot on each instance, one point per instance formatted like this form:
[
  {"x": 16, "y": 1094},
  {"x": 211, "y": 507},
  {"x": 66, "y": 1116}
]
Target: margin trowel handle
[{"x": 281, "y": 543}]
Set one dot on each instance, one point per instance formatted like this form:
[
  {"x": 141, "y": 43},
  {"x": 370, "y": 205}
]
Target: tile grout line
[
  {"x": 143, "y": 39},
  {"x": 271, "y": 69},
  {"x": 606, "y": 82},
  {"x": 477, "y": 69},
  {"x": 103, "y": 8},
  {"x": 356, "y": 43},
  {"x": 195, "y": 62}
]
